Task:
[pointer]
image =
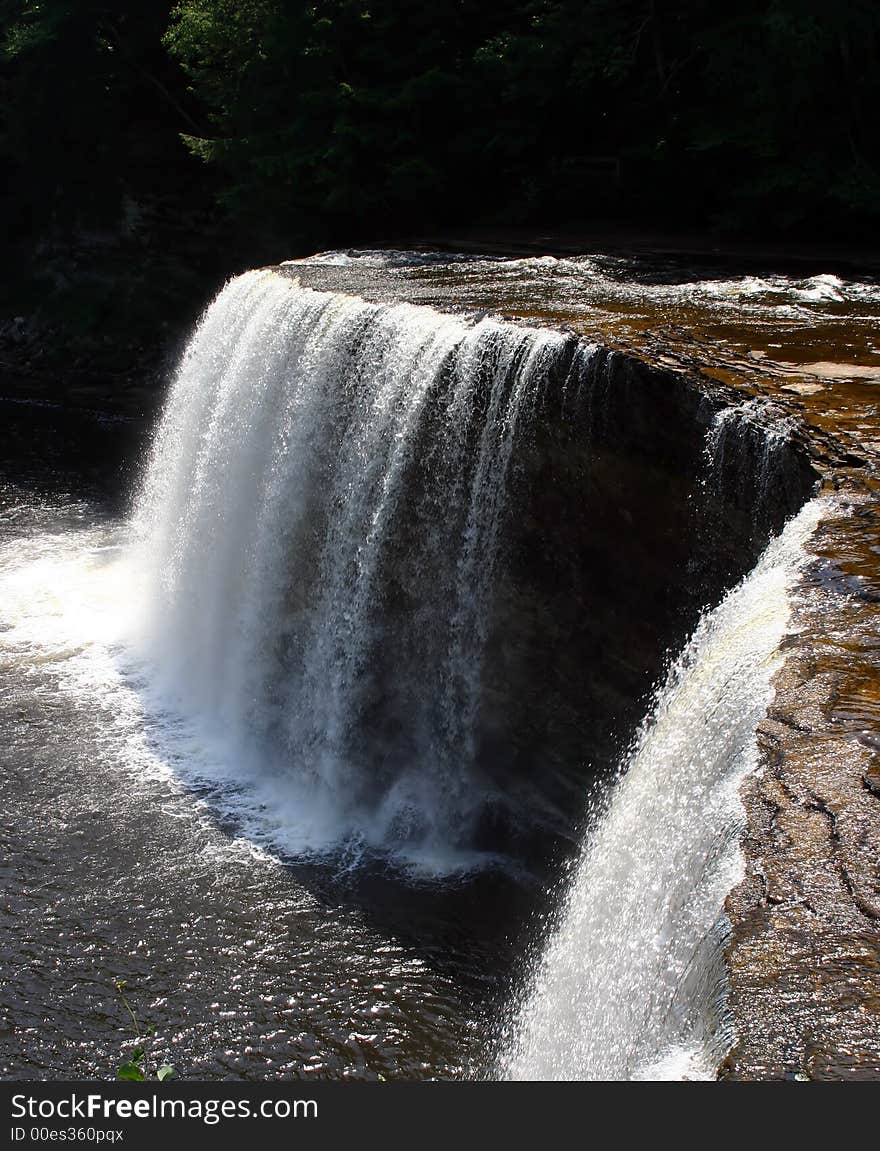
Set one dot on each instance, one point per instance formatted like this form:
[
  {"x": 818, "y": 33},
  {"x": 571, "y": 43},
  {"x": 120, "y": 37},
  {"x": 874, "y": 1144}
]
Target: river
[{"x": 252, "y": 681}]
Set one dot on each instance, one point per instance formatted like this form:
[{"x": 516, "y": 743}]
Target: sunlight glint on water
[
  {"x": 224, "y": 635},
  {"x": 631, "y": 982}
]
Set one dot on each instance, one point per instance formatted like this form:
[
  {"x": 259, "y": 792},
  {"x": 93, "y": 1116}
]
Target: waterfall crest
[
  {"x": 631, "y": 981},
  {"x": 319, "y": 526}
]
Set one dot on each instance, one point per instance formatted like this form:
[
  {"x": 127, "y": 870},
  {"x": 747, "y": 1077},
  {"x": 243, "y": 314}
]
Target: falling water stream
[
  {"x": 244, "y": 761},
  {"x": 631, "y": 982},
  {"x": 318, "y": 531}
]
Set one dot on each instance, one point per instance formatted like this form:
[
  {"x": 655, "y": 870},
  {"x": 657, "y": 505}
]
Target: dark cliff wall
[{"x": 623, "y": 526}]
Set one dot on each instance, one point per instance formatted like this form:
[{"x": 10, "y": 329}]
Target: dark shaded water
[
  {"x": 113, "y": 870},
  {"x": 118, "y": 866}
]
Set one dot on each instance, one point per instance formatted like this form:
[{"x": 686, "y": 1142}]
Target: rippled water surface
[
  {"x": 245, "y": 964},
  {"x": 118, "y": 866}
]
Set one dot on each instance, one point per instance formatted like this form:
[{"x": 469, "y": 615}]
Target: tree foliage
[
  {"x": 357, "y": 110},
  {"x": 336, "y": 119},
  {"x": 91, "y": 106}
]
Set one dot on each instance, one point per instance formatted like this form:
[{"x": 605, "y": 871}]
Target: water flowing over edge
[
  {"x": 631, "y": 981},
  {"x": 318, "y": 531},
  {"x": 80, "y": 594}
]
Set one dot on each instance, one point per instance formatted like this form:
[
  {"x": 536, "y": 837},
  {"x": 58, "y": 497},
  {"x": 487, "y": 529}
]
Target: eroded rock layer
[{"x": 804, "y": 959}]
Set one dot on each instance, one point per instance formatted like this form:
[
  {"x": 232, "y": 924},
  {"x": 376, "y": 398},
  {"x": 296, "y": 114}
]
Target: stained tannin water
[{"x": 222, "y": 713}]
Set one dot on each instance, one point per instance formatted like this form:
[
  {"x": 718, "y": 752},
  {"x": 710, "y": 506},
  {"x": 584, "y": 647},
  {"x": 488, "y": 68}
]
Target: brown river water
[{"x": 249, "y": 964}]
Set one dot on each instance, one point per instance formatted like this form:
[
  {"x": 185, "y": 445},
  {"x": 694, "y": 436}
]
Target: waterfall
[
  {"x": 746, "y": 460},
  {"x": 630, "y": 984},
  {"x": 318, "y": 527}
]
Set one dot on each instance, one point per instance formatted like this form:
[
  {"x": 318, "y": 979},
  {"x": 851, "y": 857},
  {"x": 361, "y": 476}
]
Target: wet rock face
[
  {"x": 627, "y": 516},
  {"x": 804, "y": 958},
  {"x": 622, "y": 529}
]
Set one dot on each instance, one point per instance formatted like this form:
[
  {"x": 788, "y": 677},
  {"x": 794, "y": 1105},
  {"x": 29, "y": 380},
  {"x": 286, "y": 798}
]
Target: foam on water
[{"x": 300, "y": 603}]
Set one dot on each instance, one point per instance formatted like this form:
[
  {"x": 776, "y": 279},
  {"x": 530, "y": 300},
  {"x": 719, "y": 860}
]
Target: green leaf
[
  {"x": 130, "y": 1071},
  {"x": 166, "y": 1071}
]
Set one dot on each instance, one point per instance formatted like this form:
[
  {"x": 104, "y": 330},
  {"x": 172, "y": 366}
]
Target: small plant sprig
[{"x": 136, "y": 1068}]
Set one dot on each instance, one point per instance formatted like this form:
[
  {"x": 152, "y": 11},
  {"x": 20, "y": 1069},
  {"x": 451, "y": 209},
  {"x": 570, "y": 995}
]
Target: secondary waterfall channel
[
  {"x": 306, "y": 683},
  {"x": 631, "y": 983}
]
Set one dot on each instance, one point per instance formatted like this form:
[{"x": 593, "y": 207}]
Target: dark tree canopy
[
  {"x": 351, "y": 111},
  {"x": 331, "y": 120},
  {"x": 91, "y": 105}
]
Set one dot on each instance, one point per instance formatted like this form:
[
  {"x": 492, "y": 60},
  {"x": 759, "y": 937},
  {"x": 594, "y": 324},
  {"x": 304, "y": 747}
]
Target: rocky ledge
[
  {"x": 804, "y": 955},
  {"x": 803, "y": 958}
]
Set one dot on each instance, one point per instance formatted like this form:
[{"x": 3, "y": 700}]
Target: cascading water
[
  {"x": 631, "y": 982},
  {"x": 319, "y": 527},
  {"x": 396, "y": 582},
  {"x": 744, "y": 456}
]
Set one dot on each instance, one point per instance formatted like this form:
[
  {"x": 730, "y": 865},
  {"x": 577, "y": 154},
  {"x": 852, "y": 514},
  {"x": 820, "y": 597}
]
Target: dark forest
[{"x": 183, "y": 142}]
